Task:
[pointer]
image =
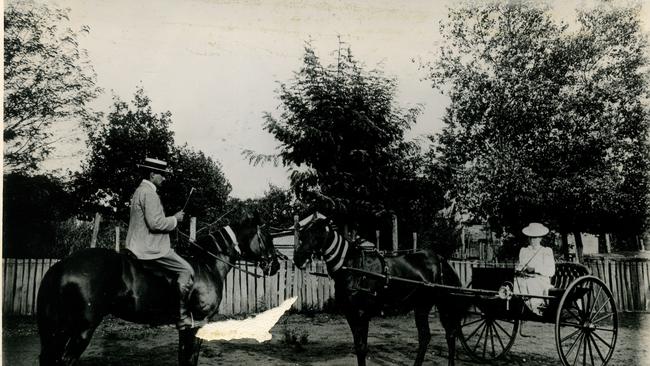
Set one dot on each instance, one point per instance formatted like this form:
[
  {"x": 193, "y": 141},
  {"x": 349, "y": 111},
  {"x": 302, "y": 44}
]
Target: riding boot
[{"x": 185, "y": 318}]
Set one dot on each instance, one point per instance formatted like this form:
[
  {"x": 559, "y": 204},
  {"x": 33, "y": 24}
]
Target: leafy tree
[
  {"x": 342, "y": 135},
  {"x": 33, "y": 207},
  {"x": 48, "y": 79},
  {"x": 545, "y": 123},
  {"x": 133, "y": 132},
  {"x": 109, "y": 175},
  {"x": 278, "y": 206},
  {"x": 201, "y": 172}
]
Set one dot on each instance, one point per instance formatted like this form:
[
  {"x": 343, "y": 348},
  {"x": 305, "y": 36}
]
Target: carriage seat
[{"x": 565, "y": 273}]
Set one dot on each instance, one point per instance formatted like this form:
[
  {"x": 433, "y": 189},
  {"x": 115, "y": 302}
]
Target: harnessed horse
[
  {"x": 80, "y": 290},
  {"x": 361, "y": 297}
]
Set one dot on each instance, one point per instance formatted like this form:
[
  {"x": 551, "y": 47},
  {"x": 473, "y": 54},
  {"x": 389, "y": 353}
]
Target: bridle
[{"x": 266, "y": 256}]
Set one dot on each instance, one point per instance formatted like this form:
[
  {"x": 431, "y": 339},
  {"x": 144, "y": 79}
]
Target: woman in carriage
[{"x": 535, "y": 268}]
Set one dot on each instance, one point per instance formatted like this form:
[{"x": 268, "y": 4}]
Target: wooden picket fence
[
  {"x": 243, "y": 293},
  {"x": 629, "y": 281}
]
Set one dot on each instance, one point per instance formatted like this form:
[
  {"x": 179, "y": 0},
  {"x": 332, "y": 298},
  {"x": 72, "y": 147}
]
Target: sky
[{"x": 216, "y": 64}]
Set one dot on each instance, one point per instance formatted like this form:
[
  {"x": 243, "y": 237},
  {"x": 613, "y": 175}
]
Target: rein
[{"x": 234, "y": 266}]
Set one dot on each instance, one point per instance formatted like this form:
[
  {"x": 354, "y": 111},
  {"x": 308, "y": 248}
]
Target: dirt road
[{"x": 309, "y": 340}]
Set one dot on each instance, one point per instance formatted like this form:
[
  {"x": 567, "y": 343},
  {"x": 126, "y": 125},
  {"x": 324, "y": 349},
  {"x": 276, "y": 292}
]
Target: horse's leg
[
  {"x": 52, "y": 347},
  {"x": 77, "y": 344},
  {"x": 188, "y": 347},
  {"x": 424, "y": 333},
  {"x": 359, "y": 326},
  {"x": 450, "y": 319}
]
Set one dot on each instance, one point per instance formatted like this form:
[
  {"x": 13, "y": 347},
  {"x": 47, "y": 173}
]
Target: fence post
[
  {"x": 93, "y": 240},
  {"x": 296, "y": 226},
  {"x": 377, "y": 232},
  {"x": 395, "y": 244},
  {"x": 463, "y": 253},
  {"x": 117, "y": 239},
  {"x": 192, "y": 229},
  {"x": 415, "y": 240}
]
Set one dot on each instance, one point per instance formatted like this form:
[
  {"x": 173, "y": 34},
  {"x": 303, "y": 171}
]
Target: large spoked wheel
[
  {"x": 486, "y": 338},
  {"x": 586, "y": 323}
]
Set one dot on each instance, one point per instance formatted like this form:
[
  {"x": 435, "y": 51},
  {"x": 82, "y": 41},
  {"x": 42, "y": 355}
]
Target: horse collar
[
  {"x": 233, "y": 238},
  {"x": 336, "y": 252}
]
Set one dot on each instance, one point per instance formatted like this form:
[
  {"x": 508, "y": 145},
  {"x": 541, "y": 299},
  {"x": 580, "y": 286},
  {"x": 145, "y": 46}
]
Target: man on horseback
[{"x": 148, "y": 235}]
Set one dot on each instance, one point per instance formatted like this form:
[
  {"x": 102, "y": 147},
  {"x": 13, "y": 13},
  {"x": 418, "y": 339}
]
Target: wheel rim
[
  {"x": 586, "y": 324},
  {"x": 486, "y": 338}
]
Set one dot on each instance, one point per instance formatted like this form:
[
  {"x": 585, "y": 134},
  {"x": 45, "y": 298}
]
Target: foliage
[
  {"x": 33, "y": 207},
  {"x": 295, "y": 337},
  {"x": 342, "y": 135},
  {"x": 201, "y": 172},
  {"x": 545, "y": 123},
  {"x": 48, "y": 79},
  {"x": 115, "y": 147},
  {"x": 276, "y": 208},
  {"x": 110, "y": 175}
]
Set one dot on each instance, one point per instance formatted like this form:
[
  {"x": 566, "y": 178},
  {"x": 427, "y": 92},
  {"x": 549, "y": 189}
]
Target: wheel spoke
[
  {"x": 492, "y": 331},
  {"x": 584, "y": 349},
  {"x": 472, "y": 322},
  {"x": 600, "y": 289},
  {"x": 604, "y": 329},
  {"x": 508, "y": 334},
  {"x": 608, "y": 315},
  {"x": 591, "y": 353},
  {"x": 571, "y": 335},
  {"x": 487, "y": 334},
  {"x": 597, "y": 312},
  {"x": 474, "y": 332},
  {"x": 602, "y": 340},
  {"x": 574, "y": 343},
  {"x": 480, "y": 336},
  {"x": 582, "y": 336},
  {"x": 496, "y": 331},
  {"x": 597, "y": 349},
  {"x": 575, "y": 325}
]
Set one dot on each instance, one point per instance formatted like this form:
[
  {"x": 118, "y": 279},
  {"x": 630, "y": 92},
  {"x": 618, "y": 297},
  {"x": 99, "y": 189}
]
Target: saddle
[{"x": 149, "y": 265}]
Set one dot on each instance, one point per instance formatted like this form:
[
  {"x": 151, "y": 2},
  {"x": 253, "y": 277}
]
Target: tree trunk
[
  {"x": 565, "y": 246},
  {"x": 579, "y": 247}
]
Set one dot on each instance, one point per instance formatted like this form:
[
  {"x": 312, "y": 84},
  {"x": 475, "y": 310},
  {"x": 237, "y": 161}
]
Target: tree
[
  {"x": 33, "y": 207},
  {"x": 110, "y": 174},
  {"x": 342, "y": 135},
  {"x": 201, "y": 172},
  {"x": 48, "y": 79},
  {"x": 545, "y": 123}
]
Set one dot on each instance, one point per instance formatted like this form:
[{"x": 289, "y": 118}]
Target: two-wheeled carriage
[{"x": 580, "y": 305}]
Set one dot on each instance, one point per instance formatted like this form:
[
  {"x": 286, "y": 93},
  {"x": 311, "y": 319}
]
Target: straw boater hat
[
  {"x": 535, "y": 229},
  {"x": 154, "y": 165}
]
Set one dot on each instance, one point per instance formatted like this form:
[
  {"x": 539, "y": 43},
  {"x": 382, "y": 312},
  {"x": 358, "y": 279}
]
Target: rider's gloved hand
[{"x": 180, "y": 215}]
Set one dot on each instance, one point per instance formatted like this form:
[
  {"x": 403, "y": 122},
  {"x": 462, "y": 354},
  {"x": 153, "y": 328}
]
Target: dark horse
[
  {"x": 363, "y": 296},
  {"x": 79, "y": 291}
]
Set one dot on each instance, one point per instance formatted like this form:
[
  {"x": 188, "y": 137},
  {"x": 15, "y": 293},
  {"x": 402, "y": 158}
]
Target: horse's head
[
  {"x": 257, "y": 245},
  {"x": 221, "y": 241},
  {"x": 312, "y": 239}
]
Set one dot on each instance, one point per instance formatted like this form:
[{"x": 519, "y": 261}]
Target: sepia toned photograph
[{"x": 326, "y": 182}]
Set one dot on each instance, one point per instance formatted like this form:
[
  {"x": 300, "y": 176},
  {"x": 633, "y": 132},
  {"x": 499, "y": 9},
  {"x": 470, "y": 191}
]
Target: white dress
[{"x": 538, "y": 283}]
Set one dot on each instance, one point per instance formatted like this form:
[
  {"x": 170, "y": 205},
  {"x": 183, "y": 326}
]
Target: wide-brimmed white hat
[
  {"x": 535, "y": 229},
  {"x": 155, "y": 165}
]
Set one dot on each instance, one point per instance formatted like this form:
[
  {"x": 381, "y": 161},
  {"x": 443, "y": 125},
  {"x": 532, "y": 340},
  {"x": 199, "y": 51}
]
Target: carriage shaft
[{"x": 455, "y": 289}]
